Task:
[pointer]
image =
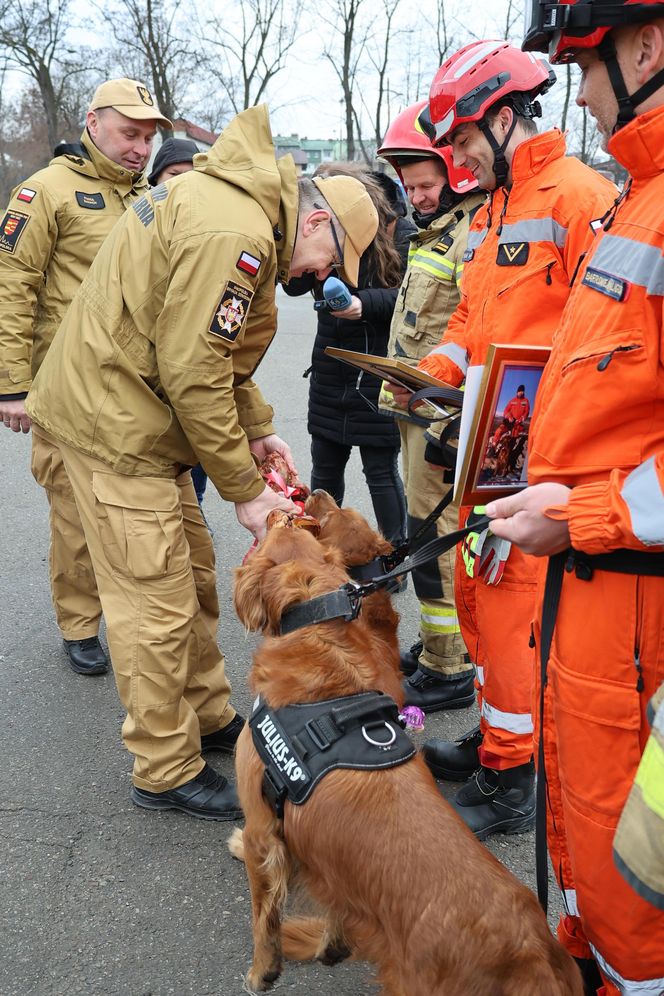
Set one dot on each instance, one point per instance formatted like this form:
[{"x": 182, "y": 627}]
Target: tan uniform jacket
[
  {"x": 151, "y": 367},
  {"x": 52, "y": 229},
  {"x": 429, "y": 293}
]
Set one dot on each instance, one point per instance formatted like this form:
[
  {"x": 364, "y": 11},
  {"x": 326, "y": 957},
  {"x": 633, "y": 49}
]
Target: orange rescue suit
[
  {"x": 599, "y": 428},
  {"x": 523, "y": 248}
]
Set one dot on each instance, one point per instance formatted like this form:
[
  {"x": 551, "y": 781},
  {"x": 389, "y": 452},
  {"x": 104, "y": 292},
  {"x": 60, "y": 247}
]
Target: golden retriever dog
[{"x": 404, "y": 884}]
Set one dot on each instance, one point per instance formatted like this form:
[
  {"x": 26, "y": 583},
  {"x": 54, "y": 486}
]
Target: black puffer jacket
[{"x": 337, "y": 391}]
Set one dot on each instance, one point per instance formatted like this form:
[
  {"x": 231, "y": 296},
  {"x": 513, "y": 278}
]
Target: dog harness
[{"x": 300, "y": 744}]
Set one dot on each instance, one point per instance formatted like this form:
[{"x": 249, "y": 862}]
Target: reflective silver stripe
[
  {"x": 457, "y": 354},
  {"x": 476, "y": 238},
  {"x": 569, "y": 898},
  {"x": 628, "y": 987},
  {"x": 635, "y": 261},
  {"x": 480, "y": 674},
  {"x": 535, "y": 230},
  {"x": 643, "y": 496},
  {"x": 476, "y": 55},
  {"x": 513, "y": 722}
]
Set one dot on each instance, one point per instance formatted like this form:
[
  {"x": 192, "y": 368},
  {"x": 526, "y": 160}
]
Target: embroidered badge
[
  {"x": 231, "y": 312},
  {"x": 248, "y": 263},
  {"x": 444, "y": 245},
  {"x": 468, "y": 255},
  {"x": 614, "y": 287},
  {"x": 27, "y": 195},
  {"x": 145, "y": 95},
  {"x": 12, "y": 227},
  {"x": 513, "y": 253},
  {"x": 95, "y": 202}
]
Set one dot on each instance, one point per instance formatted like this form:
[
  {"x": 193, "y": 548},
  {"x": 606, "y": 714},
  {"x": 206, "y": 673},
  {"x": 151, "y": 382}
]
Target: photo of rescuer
[{"x": 506, "y": 454}]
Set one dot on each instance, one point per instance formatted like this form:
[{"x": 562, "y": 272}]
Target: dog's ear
[{"x": 247, "y": 597}]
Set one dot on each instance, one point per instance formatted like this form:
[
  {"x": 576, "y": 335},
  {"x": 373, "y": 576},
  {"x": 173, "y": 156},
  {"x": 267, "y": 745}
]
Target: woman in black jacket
[{"x": 343, "y": 409}]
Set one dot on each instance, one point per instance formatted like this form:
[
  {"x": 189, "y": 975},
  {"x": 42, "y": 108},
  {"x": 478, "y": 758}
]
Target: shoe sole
[
  {"x": 98, "y": 669},
  {"x": 232, "y": 814},
  {"x": 223, "y": 750},
  {"x": 521, "y": 827},
  {"x": 447, "y": 775}
]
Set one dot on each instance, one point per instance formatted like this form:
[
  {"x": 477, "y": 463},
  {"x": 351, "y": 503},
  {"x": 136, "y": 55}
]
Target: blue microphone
[{"x": 336, "y": 295}]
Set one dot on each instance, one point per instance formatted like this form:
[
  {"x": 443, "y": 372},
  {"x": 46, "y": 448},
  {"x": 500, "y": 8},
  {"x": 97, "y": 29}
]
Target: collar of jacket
[
  {"x": 100, "y": 166},
  {"x": 535, "y": 153},
  {"x": 450, "y": 219},
  {"x": 639, "y": 146}
]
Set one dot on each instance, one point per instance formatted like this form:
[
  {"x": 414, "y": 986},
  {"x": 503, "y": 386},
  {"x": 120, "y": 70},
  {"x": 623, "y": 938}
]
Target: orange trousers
[
  {"x": 606, "y": 662},
  {"x": 495, "y": 622}
]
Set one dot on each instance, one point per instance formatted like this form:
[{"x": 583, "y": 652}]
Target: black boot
[
  {"x": 498, "y": 801},
  {"x": 432, "y": 691},
  {"x": 208, "y": 796},
  {"x": 409, "y": 658},
  {"x": 226, "y": 738},
  {"x": 455, "y": 760},
  {"x": 86, "y": 656}
]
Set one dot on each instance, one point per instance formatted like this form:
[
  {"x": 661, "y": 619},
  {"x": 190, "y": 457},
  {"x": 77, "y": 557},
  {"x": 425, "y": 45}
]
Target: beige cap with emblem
[
  {"x": 356, "y": 214},
  {"x": 128, "y": 97}
]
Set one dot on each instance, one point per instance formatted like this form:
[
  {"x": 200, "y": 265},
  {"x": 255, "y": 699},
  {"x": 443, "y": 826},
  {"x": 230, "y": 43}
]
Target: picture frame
[
  {"x": 399, "y": 372},
  {"x": 493, "y": 449}
]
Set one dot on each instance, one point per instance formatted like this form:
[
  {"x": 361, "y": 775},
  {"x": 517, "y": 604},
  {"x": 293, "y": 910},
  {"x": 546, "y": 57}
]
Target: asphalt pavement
[{"x": 98, "y": 897}]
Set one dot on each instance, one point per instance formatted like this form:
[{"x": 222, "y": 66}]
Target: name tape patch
[
  {"x": 614, "y": 287},
  {"x": 12, "y": 227},
  {"x": 513, "y": 253},
  {"x": 231, "y": 312},
  {"x": 95, "y": 202}
]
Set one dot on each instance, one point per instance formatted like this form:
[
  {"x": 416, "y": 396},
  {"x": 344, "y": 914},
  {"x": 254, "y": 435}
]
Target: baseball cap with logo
[
  {"x": 355, "y": 212},
  {"x": 128, "y": 97}
]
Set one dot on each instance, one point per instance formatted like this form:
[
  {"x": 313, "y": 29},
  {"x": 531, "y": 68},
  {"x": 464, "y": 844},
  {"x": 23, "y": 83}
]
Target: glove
[
  {"x": 491, "y": 555},
  {"x": 469, "y": 545}
]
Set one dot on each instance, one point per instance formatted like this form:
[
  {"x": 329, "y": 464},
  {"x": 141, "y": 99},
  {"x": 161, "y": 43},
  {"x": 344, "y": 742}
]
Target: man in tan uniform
[
  {"x": 54, "y": 225},
  {"x": 444, "y": 201},
  {"x": 150, "y": 372}
]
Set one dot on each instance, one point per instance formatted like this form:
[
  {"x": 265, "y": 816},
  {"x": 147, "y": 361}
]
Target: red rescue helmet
[
  {"x": 406, "y": 139},
  {"x": 480, "y": 75},
  {"x": 564, "y": 28}
]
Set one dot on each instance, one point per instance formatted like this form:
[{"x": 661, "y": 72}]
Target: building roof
[
  {"x": 195, "y": 132},
  {"x": 317, "y": 144}
]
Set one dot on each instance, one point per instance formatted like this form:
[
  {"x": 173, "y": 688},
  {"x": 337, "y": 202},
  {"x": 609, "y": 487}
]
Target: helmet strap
[
  {"x": 627, "y": 103},
  {"x": 500, "y": 164}
]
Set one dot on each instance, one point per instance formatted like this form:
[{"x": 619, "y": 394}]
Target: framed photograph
[{"x": 494, "y": 460}]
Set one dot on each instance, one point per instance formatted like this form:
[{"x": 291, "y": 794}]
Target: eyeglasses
[{"x": 339, "y": 260}]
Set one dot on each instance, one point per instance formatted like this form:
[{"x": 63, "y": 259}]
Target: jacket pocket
[
  {"x": 140, "y": 525},
  {"x": 426, "y": 310},
  {"x": 597, "y": 724}
]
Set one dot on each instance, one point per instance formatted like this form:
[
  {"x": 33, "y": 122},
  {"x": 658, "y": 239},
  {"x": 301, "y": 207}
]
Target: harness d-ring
[{"x": 378, "y": 743}]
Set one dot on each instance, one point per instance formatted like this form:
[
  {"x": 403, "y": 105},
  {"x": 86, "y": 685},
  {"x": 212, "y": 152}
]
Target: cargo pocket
[
  {"x": 140, "y": 525},
  {"x": 597, "y": 723}
]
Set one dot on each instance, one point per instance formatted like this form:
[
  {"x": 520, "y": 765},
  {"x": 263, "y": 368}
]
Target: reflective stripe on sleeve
[
  {"x": 438, "y": 619},
  {"x": 650, "y": 777},
  {"x": 628, "y": 987},
  {"x": 569, "y": 898},
  {"x": 535, "y": 230},
  {"x": 457, "y": 354},
  {"x": 432, "y": 263},
  {"x": 631, "y": 260},
  {"x": 642, "y": 493},
  {"x": 475, "y": 239},
  {"x": 513, "y": 722}
]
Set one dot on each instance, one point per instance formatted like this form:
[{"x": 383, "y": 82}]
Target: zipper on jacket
[
  {"x": 639, "y": 670},
  {"x": 604, "y": 362},
  {"x": 549, "y": 279},
  {"x": 531, "y": 641},
  {"x": 499, "y": 230}
]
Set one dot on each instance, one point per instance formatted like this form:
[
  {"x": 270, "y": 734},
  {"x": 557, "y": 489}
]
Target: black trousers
[{"x": 381, "y": 470}]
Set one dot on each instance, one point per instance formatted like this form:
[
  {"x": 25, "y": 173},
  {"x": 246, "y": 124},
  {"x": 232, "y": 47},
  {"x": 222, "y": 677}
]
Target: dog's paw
[
  {"x": 236, "y": 844},
  {"x": 259, "y": 982},
  {"x": 334, "y": 953}
]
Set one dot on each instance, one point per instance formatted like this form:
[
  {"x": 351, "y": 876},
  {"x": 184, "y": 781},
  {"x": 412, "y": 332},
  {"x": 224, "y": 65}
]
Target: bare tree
[
  {"x": 567, "y": 98},
  {"x": 513, "y": 13},
  {"x": 378, "y": 52},
  {"x": 345, "y": 53},
  {"x": 152, "y": 45},
  {"x": 249, "y": 45}
]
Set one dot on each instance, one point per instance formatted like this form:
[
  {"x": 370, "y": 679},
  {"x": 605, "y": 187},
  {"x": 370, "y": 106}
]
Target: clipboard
[{"x": 386, "y": 368}]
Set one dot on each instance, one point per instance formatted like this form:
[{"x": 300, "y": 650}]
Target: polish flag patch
[
  {"x": 248, "y": 263},
  {"x": 25, "y": 194}
]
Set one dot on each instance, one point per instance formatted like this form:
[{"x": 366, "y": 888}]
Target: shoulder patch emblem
[
  {"x": 231, "y": 312},
  {"x": 513, "y": 253},
  {"x": 606, "y": 283},
  {"x": 444, "y": 245},
  {"x": 95, "y": 202},
  {"x": 248, "y": 263},
  {"x": 145, "y": 95},
  {"x": 12, "y": 227},
  {"x": 26, "y": 194}
]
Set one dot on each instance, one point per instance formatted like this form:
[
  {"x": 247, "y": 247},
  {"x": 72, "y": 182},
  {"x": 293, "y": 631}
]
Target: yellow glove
[{"x": 472, "y": 543}]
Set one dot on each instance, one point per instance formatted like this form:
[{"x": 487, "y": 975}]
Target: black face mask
[{"x": 447, "y": 201}]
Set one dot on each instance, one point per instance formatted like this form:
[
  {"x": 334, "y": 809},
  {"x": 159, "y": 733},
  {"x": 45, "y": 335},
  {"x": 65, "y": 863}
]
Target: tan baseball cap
[
  {"x": 357, "y": 215},
  {"x": 128, "y": 97}
]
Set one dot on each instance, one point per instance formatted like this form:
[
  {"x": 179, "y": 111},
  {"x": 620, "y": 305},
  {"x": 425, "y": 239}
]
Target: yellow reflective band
[
  {"x": 434, "y": 619},
  {"x": 431, "y": 263},
  {"x": 650, "y": 776}
]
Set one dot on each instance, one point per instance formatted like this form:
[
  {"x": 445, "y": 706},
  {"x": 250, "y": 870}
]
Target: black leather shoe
[
  {"x": 432, "y": 692},
  {"x": 455, "y": 760},
  {"x": 498, "y": 801},
  {"x": 208, "y": 796},
  {"x": 226, "y": 738},
  {"x": 86, "y": 656},
  {"x": 409, "y": 659}
]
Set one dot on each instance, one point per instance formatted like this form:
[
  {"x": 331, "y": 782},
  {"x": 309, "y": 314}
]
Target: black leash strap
[
  {"x": 552, "y": 590},
  {"x": 429, "y": 551},
  {"x": 398, "y": 555}
]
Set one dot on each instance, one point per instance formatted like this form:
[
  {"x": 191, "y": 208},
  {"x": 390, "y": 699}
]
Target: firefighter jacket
[
  {"x": 517, "y": 409},
  {"x": 151, "y": 368},
  {"x": 429, "y": 292},
  {"x": 523, "y": 248},
  {"x": 607, "y": 368},
  {"x": 52, "y": 229}
]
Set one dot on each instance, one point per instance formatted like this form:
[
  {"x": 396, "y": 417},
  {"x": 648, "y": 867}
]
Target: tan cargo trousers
[
  {"x": 73, "y": 585},
  {"x": 154, "y": 562},
  {"x": 444, "y": 649}
]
